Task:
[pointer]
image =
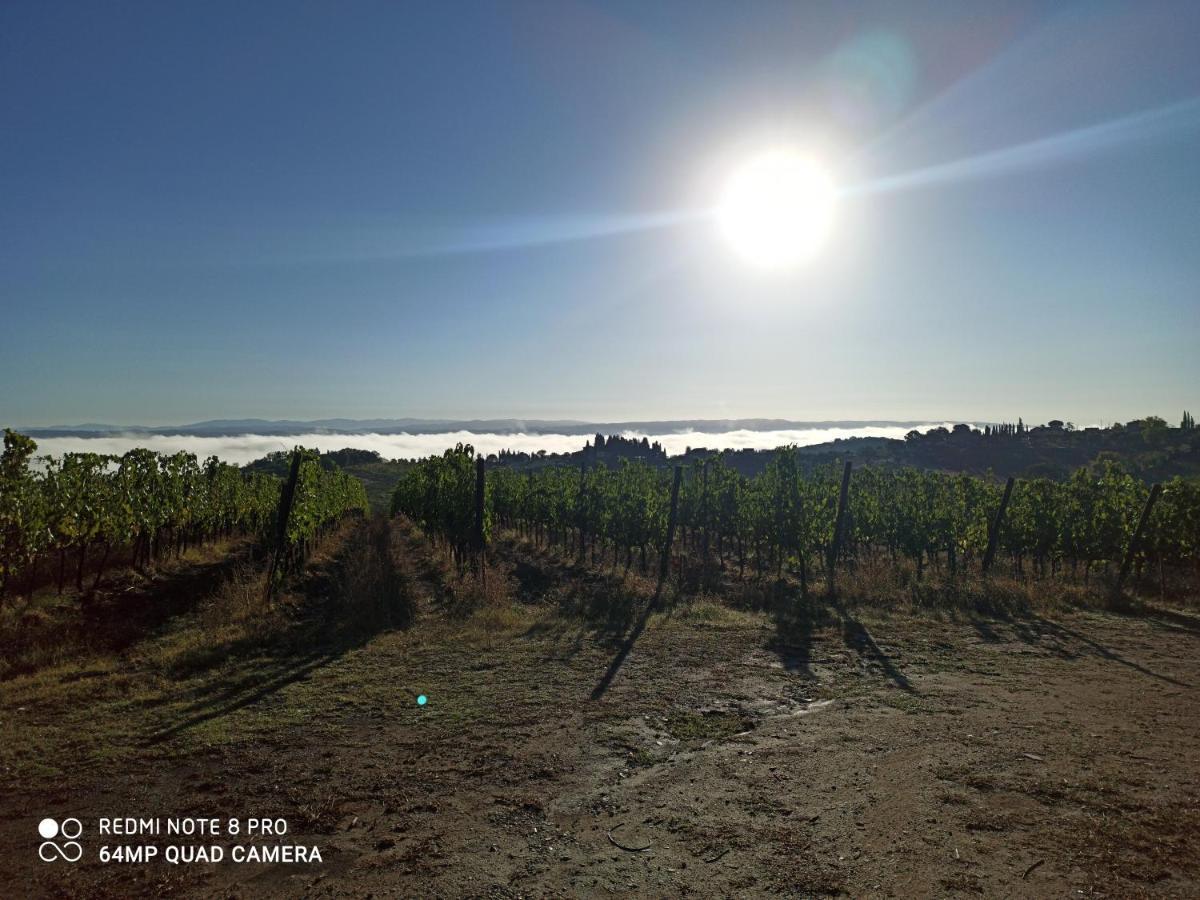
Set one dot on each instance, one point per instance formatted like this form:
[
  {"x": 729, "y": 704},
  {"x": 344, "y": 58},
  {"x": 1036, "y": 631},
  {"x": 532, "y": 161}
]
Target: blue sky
[{"x": 307, "y": 210}]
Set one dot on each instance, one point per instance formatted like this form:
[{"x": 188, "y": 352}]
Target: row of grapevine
[
  {"x": 626, "y": 507},
  {"x": 785, "y": 516},
  {"x": 438, "y": 494},
  {"x": 320, "y": 499},
  {"x": 145, "y": 505}
]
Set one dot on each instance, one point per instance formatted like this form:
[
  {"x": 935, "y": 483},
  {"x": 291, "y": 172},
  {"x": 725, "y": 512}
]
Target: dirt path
[{"x": 730, "y": 756}]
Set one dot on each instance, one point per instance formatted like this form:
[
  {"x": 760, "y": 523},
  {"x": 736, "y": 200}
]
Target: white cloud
[{"x": 242, "y": 449}]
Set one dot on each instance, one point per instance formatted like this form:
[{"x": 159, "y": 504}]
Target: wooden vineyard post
[
  {"x": 994, "y": 532},
  {"x": 1136, "y": 540},
  {"x": 531, "y": 528},
  {"x": 285, "y": 511},
  {"x": 665, "y": 562},
  {"x": 839, "y": 523},
  {"x": 582, "y": 501},
  {"x": 704, "y": 520},
  {"x": 477, "y": 538}
]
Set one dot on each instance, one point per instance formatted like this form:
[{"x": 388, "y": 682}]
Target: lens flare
[{"x": 1055, "y": 149}]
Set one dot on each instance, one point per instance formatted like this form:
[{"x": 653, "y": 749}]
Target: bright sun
[{"x": 776, "y": 209}]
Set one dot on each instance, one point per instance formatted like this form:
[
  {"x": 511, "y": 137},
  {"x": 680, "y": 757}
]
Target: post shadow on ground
[
  {"x": 1030, "y": 628},
  {"x": 627, "y": 645},
  {"x": 857, "y": 637},
  {"x": 1167, "y": 619},
  {"x": 987, "y": 611},
  {"x": 1062, "y": 632},
  {"x": 601, "y": 605},
  {"x": 237, "y": 697},
  {"x": 796, "y": 618},
  {"x": 795, "y": 629},
  {"x": 986, "y": 630}
]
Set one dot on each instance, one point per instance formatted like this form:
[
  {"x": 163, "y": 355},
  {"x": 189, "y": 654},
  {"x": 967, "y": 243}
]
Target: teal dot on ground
[{"x": 422, "y": 700}]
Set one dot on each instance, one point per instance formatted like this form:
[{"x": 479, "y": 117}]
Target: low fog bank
[{"x": 242, "y": 449}]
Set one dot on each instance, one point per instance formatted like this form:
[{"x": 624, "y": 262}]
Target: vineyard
[
  {"x": 61, "y": 517},
  {"x": 633, "y": 679},
  {"x": 786, "y": 517},
  {"x": 84, "y": 508}
]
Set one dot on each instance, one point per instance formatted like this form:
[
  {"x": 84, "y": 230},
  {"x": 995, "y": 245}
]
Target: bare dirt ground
[{"x": 721, "y": 754}]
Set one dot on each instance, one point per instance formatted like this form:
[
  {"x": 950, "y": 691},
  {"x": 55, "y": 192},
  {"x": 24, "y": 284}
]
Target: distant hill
[
  {"x": 377, "y": 474},
  {"x": 1147, "y": 448}
]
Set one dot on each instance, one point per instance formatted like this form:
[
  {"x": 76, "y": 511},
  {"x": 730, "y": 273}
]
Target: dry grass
[
  {"x": 53, "y": 630},
  {"x": 482, "y": 606},
  {"x": 199, "y": 611},
  {"x": 460, "y": 591},
  {"x": 222, "y": 643},
  {"x": 234, "y": 619},
  {"x": 492, "y": 627},
  {"x": 371, "y": 592},
  {"x": 897, "y": 589},
  {"x": 875, "y": 583},
  {"x": 709, "y": 610}
]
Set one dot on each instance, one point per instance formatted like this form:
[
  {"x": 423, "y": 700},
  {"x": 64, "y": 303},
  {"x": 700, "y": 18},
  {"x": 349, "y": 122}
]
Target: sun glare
[{"x": 776, "y": 209}]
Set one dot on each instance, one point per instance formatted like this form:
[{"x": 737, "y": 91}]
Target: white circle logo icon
[{"x": 69, "y": 850}]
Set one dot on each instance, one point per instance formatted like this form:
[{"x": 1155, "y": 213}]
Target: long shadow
[
  {"x": 127, "y": 608},
  {"x": 856, "y": 636},
  {"x": 1182, "y": 621},
  {"x": 1028, "y": 630},
  {"x": 602, "y": 606},
  {"x": 627, "y": 645},
  {"x": 798, "y": 617},
  {"x": 795, "y": 618},
  {"x": 795, "y": 621},
  {"x": 345, "y": 604},
  {"x": 214, "y": 709},
  {"x": 1167, "y": 619},
  {"x": 984, "y": 629},
  {"x": 1063, "y": 633},
  {"x": 574, "y": 641}
]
